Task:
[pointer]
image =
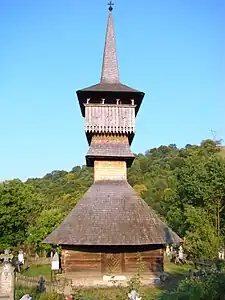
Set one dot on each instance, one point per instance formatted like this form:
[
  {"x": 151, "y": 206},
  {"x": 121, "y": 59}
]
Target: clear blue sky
[{"x": 173, "y": 50}]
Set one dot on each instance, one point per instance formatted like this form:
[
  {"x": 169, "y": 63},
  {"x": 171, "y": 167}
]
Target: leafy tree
[
  {"x": 202, "y": 240},
  {"x": 46, "y": 222},
  {"x": 184, "y": 186},
  {"x": 17, "y": 210}
]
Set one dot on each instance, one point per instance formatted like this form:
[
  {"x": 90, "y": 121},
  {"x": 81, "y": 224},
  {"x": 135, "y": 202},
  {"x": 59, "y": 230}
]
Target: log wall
[
  {"x": 150, "y": 261},
  {"x": 112, "y": 263},
  {"x": 76, "y": 261}
]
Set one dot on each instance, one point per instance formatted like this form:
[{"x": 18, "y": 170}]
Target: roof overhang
[{"x": 107, "y": 93}]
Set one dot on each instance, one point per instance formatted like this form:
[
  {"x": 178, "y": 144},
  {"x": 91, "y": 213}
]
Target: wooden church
[{"x": 111, "y": 226}]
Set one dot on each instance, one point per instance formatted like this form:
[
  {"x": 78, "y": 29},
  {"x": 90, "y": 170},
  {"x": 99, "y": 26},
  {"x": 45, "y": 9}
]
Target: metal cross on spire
[{"x": 110, "y": 5}]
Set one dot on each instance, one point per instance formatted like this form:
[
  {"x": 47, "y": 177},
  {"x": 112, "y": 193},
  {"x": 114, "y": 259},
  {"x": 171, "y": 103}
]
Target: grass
[
  {"x": 38, "y": 270},
  {"x": 176, "y": 274}
]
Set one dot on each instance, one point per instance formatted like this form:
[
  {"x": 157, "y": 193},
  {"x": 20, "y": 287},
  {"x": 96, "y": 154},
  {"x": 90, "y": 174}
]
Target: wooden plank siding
[
  {"x": 112, "y": 263},
  {"x": 110, "y": 170},
  {"x": 151, "y": 261},
  {"x": 77, "y": 261},
  {"x": 110, "y": 118}
]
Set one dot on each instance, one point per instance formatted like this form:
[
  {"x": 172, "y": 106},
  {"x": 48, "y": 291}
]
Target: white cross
[{"x": 7, "y": 257}]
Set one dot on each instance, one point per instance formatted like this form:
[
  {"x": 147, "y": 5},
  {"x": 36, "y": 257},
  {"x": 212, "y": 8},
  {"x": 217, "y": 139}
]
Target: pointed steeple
[
  {"x": 109, "y": 85},
  {"x": 110, "y": 70}
]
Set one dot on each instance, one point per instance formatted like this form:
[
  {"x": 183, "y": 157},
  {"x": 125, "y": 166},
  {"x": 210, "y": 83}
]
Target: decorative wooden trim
[{"x": 110, "y": 118}]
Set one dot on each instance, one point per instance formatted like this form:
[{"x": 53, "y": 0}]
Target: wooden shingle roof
[
  {"x": 110, "y": 81},
  {"x": 111, "y": 150},
  {"x": 110, "y": 70},
  {"x": 111, "y": 213}
]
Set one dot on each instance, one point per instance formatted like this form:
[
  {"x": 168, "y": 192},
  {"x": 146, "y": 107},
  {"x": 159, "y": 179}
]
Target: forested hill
[{"x": 185, "y": 186}]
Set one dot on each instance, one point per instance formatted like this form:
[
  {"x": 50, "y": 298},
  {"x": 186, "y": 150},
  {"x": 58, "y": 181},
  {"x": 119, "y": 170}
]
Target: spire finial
[
  {"x": 110, "y": 5},
  {"x": 110, "y": 71}
]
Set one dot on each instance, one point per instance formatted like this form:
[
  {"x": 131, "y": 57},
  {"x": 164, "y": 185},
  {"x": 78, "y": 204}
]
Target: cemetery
[
  {"x": 20, "y": 283},
  {"x": 124, "y": 226}
]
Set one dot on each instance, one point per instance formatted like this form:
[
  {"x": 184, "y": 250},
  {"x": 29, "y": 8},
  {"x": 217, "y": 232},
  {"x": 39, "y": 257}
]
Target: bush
[
  {"x": 51, "y": 296},
  {"x": 21, "y": 290},
  {"x": 209, "y": 287}
]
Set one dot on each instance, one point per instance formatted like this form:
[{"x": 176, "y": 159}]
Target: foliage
[
  {"x": 176, "y": 274},
  {"x": 45, "y": 223},
  {"x": 184, "y": 186},
  {"x": 202, "y": 239},
  {"x": 21, "y": 290},
  {"x": 51, "y": 296},
  {"x": 210, "y": 287},
  {"x": 18, "y": 206}
]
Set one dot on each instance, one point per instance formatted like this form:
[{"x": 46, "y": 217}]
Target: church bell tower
[{"x": 109, "y": 109}]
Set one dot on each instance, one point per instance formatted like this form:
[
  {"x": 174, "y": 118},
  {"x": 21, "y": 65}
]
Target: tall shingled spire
[
  {"x": 110, "y": 70},
  {"x": 109, "y": 86}
]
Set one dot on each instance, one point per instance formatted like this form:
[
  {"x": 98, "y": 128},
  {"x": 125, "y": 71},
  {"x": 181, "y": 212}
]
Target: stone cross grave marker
[
  {"x": 7, "y": 279},
  {"x": 7, "y": 257}
]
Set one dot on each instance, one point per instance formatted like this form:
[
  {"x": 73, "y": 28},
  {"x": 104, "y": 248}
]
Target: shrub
[
  {"x": 209, "y": 287},
  {"x": 51, "y": 296},
  {"x": 21, "y": 290}
]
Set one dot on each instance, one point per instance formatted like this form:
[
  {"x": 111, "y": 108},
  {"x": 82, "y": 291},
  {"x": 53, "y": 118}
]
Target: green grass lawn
[
  {"x": 38, "y": 270},
  {"x": 176, "y": 274}
]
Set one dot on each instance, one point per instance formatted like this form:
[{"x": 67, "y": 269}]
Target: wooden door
[{"x": 112, "y": 263}]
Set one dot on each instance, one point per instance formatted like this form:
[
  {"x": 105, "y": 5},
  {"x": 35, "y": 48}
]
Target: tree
[
  {"x": 47, "y": 221},
  {"x": 17, "y": 209},
  {"x": 202, "y": 240}
]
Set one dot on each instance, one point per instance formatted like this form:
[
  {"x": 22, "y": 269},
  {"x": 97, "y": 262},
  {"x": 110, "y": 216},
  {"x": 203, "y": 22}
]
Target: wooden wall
[
  {"x": 151, "y": 261},
  {"x": 110, "y": 170},
  {"x": 76, "y": 261},
  {"x": 116, "y": 138},
  {"x": 110, "y": 118},
  {"x": 112, "y": 263}
]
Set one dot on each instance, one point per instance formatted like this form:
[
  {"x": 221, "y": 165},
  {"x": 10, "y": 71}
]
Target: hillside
[{"x": 185, "y": 186}]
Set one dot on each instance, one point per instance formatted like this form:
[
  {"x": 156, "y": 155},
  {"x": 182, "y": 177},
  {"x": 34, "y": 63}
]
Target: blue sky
[{"x": 173, "y": 50}]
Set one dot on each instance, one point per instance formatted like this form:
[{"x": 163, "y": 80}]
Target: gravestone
[
  {"x": 7, "y": 277},
  {"x": 21, "y": 257},
  {"x": 41, "y": 285},
  {"x": 26, "y": 297},
  {"x": 181, "y": 253},
  {"x": 168, "y": 250},
  {"x": 133, "y": 295},
  {"x": 55, "y": 262},
  {"x": 221, "y": 254}
]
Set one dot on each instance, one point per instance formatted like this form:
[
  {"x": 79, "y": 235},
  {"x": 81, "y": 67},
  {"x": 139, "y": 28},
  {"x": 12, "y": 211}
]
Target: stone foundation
[{"x": 102, "y": 281}]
